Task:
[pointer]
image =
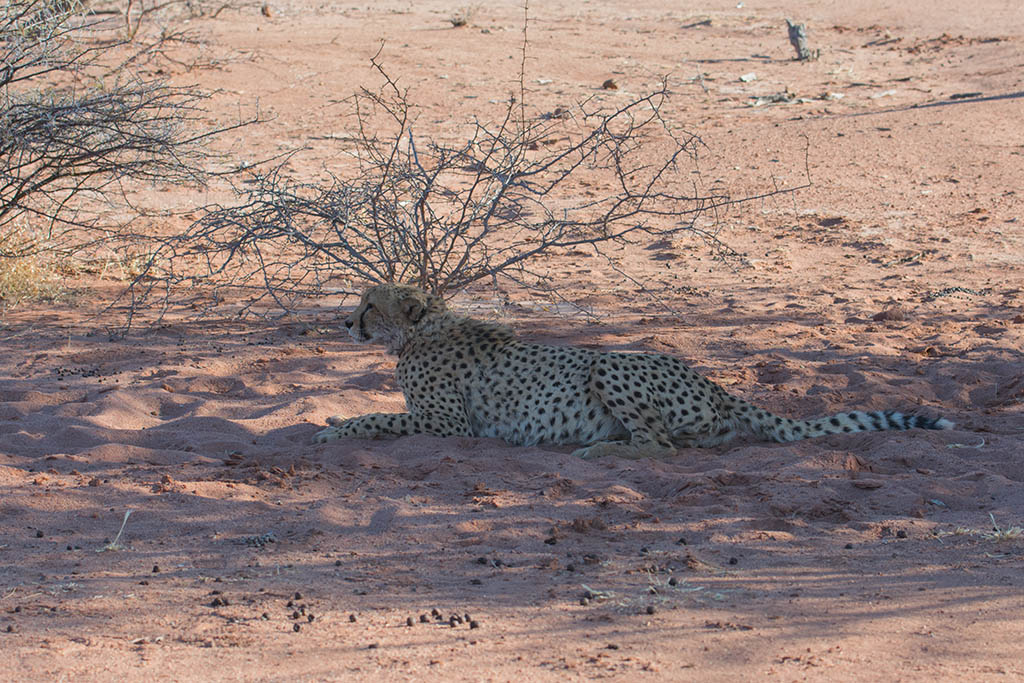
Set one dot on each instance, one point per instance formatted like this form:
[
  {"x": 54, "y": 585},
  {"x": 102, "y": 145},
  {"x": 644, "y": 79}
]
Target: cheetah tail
[
  {"x": 748, "y": 417},
  {"x": 784, "y": 429}
]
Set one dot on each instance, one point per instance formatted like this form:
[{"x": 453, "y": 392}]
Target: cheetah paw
[{"x": 325, "y": 435}]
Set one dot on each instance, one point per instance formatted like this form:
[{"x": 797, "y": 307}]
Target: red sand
[{"x": 859, "y": 557}]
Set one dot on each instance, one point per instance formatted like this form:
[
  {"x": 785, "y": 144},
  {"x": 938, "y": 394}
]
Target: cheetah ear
[{"x": 414, "y": 309}]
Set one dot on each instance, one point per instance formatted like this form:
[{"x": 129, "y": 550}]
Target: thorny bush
[{"x": 442, "y": 215}]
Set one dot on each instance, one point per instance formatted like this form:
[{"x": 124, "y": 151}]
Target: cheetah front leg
[{"x": 376, "y": 425}]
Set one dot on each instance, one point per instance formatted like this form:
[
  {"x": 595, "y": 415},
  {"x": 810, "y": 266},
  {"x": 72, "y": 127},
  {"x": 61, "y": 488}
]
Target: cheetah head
[{"x": 387, "y": 313}]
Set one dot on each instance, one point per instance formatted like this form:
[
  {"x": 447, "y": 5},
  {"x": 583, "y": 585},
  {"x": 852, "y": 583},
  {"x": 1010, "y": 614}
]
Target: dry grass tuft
[
  {"x": 25, "y": 273},
  {"x": 462, "y": 17}
]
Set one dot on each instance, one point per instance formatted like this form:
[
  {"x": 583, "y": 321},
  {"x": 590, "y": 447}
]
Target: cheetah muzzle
[{"x": 466, "y": 377}]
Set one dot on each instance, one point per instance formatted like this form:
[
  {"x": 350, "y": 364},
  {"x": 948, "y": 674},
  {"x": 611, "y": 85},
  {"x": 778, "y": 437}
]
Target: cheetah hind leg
[{"x": 648, "y": 435}]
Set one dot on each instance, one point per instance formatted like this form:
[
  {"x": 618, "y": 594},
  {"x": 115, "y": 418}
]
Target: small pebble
[
  {"x": 310, "y": 618},
  {"x": 409, "y": 621},
  {"x": 733, "y": 560},
  {"x": 681, "y": 541},
  {"x": 644, "y": 550},
  {"x": 474, "y": 624},
  {"x": 570, "y": 567},
  {"x": 298, "y": 595},
  {"x": 901, "y": 534},
  {"x": 337, "y": 563},
  {"x": 289, "y": 603},
  {"x": 156, "y": 569},
  {"x": 584, "y": 601},
  {"x": 848, "y": 546},
  {"x": 10, "y": 628},
  {"x": 296, "y": 627},
  {"x": 352, "y": 618},
  {"x": 265, "y": 616},
  {"x": 650, "y": 609},
  {"x": 673, "y": 581},
  {"x": 424, "y": 619},
  {"x": 39, "y": 534},
  {"x": 295, "y": 615}
]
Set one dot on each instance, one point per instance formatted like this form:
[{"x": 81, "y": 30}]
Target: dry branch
[{"x": 442, "y": 215}]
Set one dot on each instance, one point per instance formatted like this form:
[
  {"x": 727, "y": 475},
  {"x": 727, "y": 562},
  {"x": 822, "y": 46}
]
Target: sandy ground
[{"x": 895, "y": 281}]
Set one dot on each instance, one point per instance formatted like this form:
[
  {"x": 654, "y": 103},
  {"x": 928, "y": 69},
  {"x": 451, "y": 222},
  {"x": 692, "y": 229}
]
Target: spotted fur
[{"x": 466, "y": 377}]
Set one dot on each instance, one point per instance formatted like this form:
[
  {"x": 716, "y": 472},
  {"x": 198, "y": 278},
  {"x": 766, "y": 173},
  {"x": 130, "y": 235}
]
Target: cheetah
[{"x": 466, "y": 377}]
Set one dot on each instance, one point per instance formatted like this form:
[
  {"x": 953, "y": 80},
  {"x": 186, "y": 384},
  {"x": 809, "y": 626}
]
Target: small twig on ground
[
  {"x": 967, "y": 445},
  {"x": 114, "y": 545}
]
